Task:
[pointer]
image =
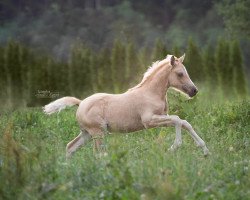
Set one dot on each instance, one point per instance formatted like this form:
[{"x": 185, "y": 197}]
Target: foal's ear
[
  {"x": 181, "y": 59},
  {"x": 172, "y": 60}
]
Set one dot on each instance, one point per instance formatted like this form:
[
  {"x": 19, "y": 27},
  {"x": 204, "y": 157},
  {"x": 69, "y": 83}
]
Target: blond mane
[{"x": 152, "y": 70}]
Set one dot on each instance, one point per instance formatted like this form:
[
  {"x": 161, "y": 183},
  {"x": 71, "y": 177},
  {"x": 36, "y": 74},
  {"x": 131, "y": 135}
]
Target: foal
[{"x": 141, "y": 107}]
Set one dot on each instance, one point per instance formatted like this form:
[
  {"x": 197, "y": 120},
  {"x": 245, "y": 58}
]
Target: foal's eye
[{"x": 180, "y": 74}]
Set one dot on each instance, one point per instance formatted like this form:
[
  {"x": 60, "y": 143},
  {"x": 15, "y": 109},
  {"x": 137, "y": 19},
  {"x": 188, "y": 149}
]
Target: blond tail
[{"x": 60, "y": 104}]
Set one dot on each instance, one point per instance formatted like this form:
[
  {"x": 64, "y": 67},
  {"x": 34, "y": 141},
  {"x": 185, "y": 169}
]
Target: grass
[{"x": 137, "y": 165}]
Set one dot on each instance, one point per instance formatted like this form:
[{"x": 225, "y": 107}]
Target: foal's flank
[{"x": 141, "y": 107}]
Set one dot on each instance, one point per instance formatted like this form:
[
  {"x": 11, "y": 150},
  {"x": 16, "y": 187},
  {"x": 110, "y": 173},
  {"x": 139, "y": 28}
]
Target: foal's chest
[
  {"x": 159, "y": 108},
  {"x": 166, "y": 107}
]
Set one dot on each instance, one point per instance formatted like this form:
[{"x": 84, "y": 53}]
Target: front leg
[
  {"x": 200, "y": 143},
  {"x": 167, "y": 120},
  {"x": 178, "y": 139},
  {"x": 173, "y": 120}
]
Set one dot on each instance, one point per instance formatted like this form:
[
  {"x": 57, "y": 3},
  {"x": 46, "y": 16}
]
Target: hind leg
[
  {"x": 76, "y": 143},
  {"x": 97, "y": 135}
]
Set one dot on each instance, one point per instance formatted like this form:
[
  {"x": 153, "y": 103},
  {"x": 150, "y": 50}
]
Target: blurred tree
[
  {"x": 222, "y": 62},
  {"x": 209, "y": 67},
  {"x": 193, "y": 61},
  {"x": 79, "y": 71},
  {"x": 118, "y": 66},
  {"x": 131, "y": 65},
  {"x": 104, "y": 71},
  {"x": 144, "y": 61},
  {"x": 239, "y": 79},
  {"x": 94, "y": 71},
  {"x": 25, "y": 61},
  {"x": 3, "y": 78},
  {"x": 37, "y": 80},
  {"x": 176, "y": 51},
  {"x": 13, "y": 71},
  {"x": 159, "y": 51}
]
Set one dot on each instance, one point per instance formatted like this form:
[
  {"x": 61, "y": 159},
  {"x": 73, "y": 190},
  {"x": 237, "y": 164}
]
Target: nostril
[{"x": 195, "y": 90}]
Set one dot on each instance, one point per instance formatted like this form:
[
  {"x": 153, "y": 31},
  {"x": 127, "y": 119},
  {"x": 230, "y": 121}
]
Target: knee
[
  {"x": 176, "y": 119},
  {"x": 67, "y": 146},
  {"x": 68, "y": 153},
  {"x": 147, "y": 121},
  {"x": 186, "y": 124},
  {"x": 146, "y": 124}
]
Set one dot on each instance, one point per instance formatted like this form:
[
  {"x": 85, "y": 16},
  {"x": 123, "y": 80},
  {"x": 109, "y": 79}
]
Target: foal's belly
[
  {"x": 126, "y": 127},
  {"x": 123, "y": 120}
]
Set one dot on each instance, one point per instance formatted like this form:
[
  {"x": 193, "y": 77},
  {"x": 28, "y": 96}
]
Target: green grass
[{"x": 138, "y": 165}]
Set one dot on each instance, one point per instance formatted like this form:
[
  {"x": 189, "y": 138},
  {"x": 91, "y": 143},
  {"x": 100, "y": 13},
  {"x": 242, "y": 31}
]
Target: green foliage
[
  {"x": 236, "y": 63},
  {"x": 132, "y": 68},
  {"x": 176, "y": 51},
  {"x": 104, "y": 66},
  {"x": 193, "y": 62},
  {"x": 210, "y": 70},
  {"x": 222, "y": 62},
  {"x": 80, "y": 70},
  {"x": 13, "y": 71},
  {"x": 144, "y": 60},
  {"x": 3, "y": 77},
  {"x": 30, "y": 79},
  {"x": 118, "y": 69},
  {"x": 159, "y": 51},
  {"x": 236, "y": 16}
]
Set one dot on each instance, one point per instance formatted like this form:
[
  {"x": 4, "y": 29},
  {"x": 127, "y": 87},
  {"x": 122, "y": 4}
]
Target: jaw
[
  {"x": 182, "y": 92},
  {"x": 191, "y": 95}
]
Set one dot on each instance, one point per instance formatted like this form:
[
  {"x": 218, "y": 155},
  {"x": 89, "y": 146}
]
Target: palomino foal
[{"x": 141, "y": 107}]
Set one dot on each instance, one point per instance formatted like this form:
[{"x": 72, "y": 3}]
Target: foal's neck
[{"x": 158, "y": 84}]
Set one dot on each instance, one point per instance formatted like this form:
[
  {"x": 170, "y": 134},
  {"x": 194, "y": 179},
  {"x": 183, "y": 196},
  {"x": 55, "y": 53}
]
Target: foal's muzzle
[
  {"x": 193, "y": 91},
  {"x": 190, "y": 90}
]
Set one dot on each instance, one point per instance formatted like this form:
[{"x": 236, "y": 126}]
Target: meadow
[{"x": 137, "y": 165}]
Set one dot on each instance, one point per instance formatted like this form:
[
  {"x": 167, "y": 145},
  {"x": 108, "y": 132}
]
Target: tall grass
[{"x": 137, "y": 165}]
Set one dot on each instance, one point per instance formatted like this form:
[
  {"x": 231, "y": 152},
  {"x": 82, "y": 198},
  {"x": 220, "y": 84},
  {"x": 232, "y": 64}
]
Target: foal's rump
[{"x": 91, "y": 110}]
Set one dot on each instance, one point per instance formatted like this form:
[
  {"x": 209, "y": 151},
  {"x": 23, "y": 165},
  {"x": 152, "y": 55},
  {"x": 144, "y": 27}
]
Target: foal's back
[{"x": 116, "y": 112}]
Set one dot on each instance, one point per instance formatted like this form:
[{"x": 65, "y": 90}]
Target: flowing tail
[{"x": 60, "y": 104}]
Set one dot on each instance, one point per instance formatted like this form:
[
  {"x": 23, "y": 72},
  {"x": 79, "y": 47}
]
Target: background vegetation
[{"x": 28, "y": 79}]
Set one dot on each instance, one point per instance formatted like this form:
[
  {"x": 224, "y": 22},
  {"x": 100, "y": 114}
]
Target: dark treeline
[
  {"x": 31, "y": 79},
  {"x": 54, "y": 25}
]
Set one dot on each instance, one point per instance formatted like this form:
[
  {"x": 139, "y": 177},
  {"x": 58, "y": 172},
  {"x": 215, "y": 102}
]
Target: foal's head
[{"x": 179, "y": 78}]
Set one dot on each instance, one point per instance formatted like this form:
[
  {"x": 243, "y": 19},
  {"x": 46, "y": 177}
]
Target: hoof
[
  {"x": 172, "y": 148},
  {"x": 101, "y": 155},
  {"x": 68, "y": 156},
  {"x": 206, "y": 152}
]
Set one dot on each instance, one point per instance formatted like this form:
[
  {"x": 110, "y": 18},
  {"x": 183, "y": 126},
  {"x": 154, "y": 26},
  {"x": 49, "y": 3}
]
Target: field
[{"x": 137, "y": 165}]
